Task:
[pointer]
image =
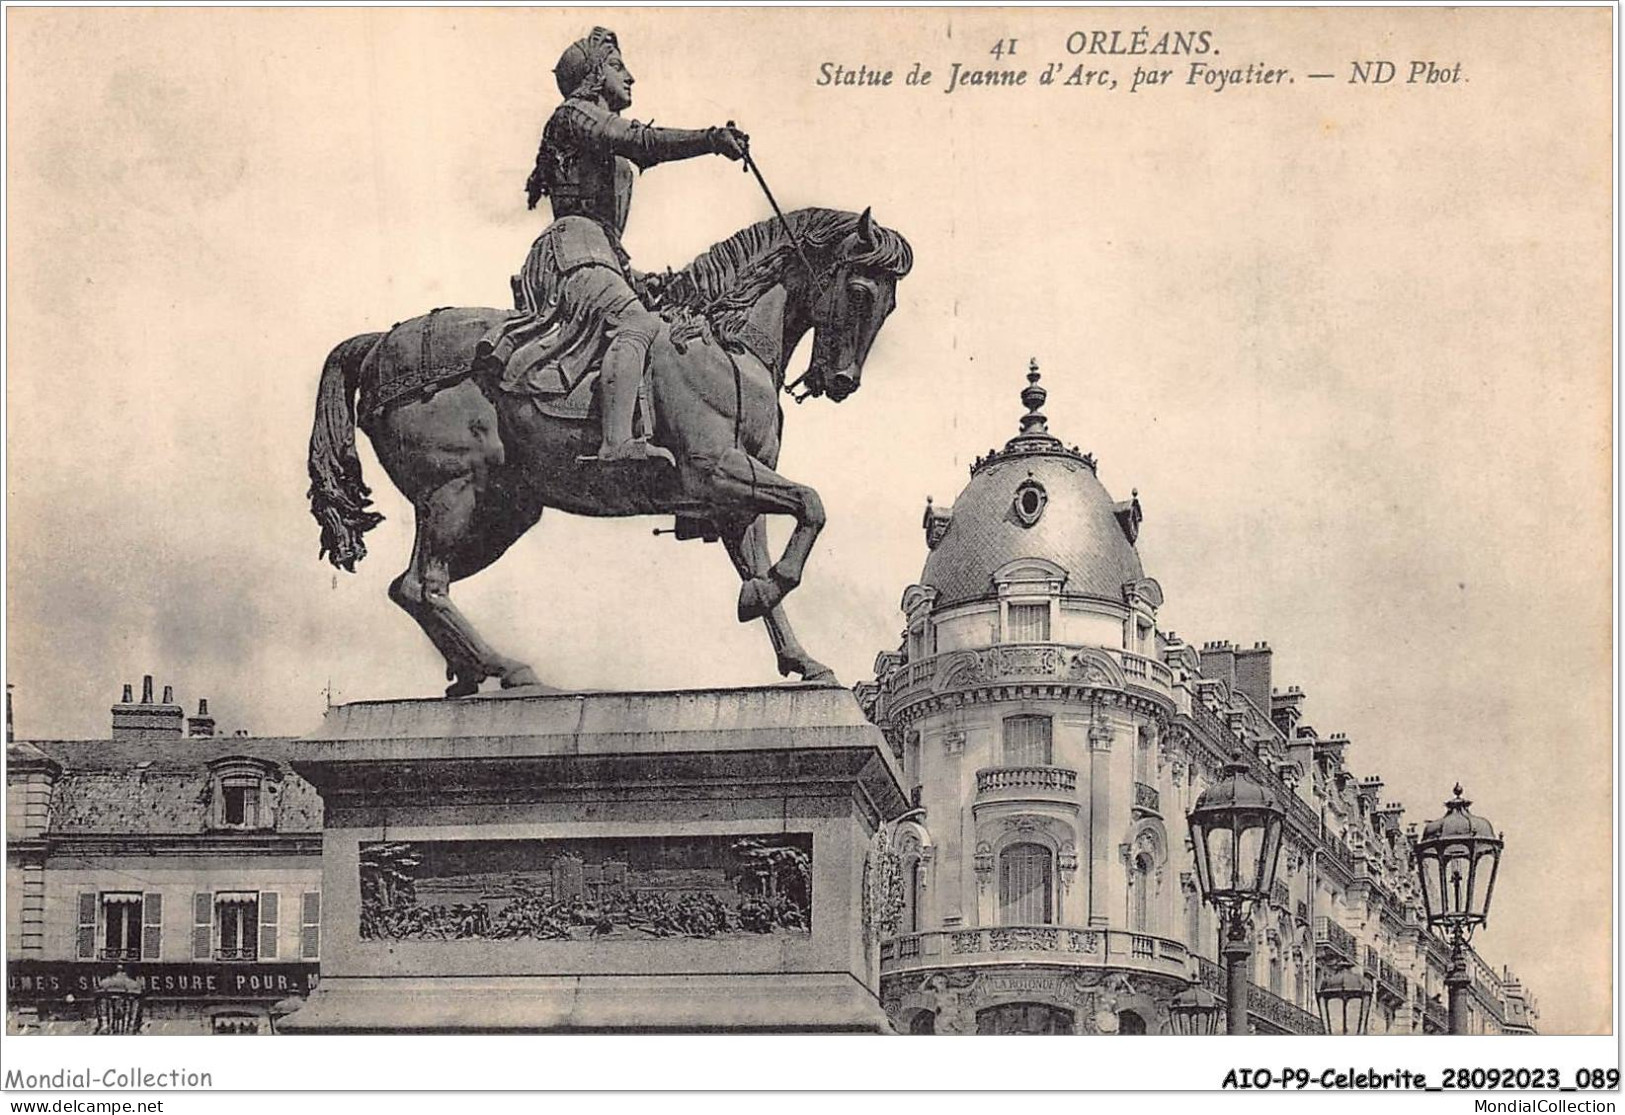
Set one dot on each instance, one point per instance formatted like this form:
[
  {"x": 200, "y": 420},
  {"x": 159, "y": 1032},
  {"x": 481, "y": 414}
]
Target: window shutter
[
  {"x": 310, "y": 926},
  {"x": 268, "y": 924},
  {"x": 86, "y": 938},
  {"x": 202, "y": 926},
  {"x": 152, "y": 925}
]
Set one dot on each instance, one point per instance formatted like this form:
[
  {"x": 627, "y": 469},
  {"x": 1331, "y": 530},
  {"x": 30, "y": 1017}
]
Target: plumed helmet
[{"x": 580, "y": 61}]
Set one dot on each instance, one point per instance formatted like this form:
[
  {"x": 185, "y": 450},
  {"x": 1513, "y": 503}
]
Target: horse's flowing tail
[{"x": 338, "y": 498}]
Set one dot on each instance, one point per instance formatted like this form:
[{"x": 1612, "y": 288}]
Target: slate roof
[
  {"x": 134, "y": 787},
  {"x": 1078, "y": 531}
]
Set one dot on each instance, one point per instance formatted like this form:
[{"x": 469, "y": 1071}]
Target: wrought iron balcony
[
  {"x": 1435, "y": 1017},
  {"x": 1147, "y": 800},
  {"x": 120, "y": 954},
  {"x": 237, "y": 954},
  {"x": 1272, "y": 1014},
  {"x": 1280, "y": 895},
  {"x": 1060, "y": 945},
  {"x": 1392, "y": 984},
  {"x": 1332, "y": 939}
]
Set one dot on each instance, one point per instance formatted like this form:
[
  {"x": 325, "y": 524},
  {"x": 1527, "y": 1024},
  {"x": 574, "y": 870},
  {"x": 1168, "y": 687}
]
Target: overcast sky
[{"x": 1350, "y": 344}]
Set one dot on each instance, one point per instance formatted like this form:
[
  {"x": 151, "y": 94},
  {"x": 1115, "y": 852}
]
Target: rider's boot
[{"x": 619, "y": 381}]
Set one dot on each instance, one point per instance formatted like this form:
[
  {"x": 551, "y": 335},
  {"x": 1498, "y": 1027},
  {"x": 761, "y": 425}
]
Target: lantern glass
[
  {"x": 1269, "y": 852},
  {"x": 1195, "y": 1011}
]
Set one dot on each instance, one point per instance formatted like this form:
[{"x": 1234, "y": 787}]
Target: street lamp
[
  {"x": 1345, "y": 1001},
  {"x": 1195, "y": 1010},
  {"x": 1236, "y": 830},
  {"x": 118, "y": 1004},
  {"x": 1457, "y": 858}
]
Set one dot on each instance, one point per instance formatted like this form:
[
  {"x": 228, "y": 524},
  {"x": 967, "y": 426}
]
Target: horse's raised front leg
[
  {"x": 740, "y": 487},
  {"x": 424, "y": 592},
  {"x": 747, "y": 548}
]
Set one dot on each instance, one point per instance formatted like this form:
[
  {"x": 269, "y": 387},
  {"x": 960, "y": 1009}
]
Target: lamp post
[
  {"x": 118, "y": 1004},
  {"x": 1195, "y": 1010},
  {"x": 1457, "y": 858},
  {"x": 1235, "y": 828},
  {"x": 1345, "y": 1001}
]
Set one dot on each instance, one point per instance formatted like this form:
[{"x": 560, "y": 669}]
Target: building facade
[
  {"x": 1055, "y": 735},
  {"x": 190, "y": 861}
]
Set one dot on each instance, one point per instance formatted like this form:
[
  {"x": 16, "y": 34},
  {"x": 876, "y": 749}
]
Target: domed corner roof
[{"x": 1034, "y": 499}]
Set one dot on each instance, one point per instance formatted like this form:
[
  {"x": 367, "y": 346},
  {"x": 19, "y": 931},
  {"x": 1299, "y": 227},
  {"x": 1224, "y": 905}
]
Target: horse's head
[{"x": 859, "y": 291}]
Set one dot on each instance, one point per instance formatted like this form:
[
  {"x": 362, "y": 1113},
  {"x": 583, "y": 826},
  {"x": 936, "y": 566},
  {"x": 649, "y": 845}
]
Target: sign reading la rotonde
[{"x": 37, "y": 980}]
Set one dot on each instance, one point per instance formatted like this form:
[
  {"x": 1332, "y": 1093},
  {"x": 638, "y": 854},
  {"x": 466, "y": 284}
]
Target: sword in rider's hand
[{"x": 795, "y": 242}]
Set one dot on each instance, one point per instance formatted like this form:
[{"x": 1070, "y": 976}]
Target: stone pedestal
[{"x": 677, "y": 861}]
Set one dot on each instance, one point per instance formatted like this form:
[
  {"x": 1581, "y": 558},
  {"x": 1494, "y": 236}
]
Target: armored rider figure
[{"x": 577, "y": 282}]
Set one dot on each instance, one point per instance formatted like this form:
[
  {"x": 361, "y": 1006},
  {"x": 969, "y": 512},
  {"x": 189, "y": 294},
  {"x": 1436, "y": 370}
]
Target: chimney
[
  {"x": 1219, "y": 662},
  {"x": 148, "y": 720},
  {"x": 202, "y": 724},
  {"x": 1253, "y": 675},
  {"x": 11, "y": 727},
  {"x": 1286, "y": 709}
]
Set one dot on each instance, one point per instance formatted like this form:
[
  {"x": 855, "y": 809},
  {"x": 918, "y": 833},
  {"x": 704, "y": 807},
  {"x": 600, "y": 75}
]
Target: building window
[
  {"x": 235, "y": 1024},
  {"x": 1027, "y": 741},
  {"x": 1140, "y": 893},
  {"x": 240, "y": 801},
  {"x": 119, "y": 925},
  {"x": 1130, "y": 1022},
  {"x": 1024, "y": 1018},
  {"x": 1028, "y": 623},
  {"x": 235, "y": 925},
  {"x": 1026, "y": 885}
]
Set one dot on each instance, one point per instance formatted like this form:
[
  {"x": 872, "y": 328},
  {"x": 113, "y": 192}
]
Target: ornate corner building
[{"x": 1054, "y": 736}]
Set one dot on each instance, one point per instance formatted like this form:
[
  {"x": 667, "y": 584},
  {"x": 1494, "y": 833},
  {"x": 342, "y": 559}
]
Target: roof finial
[{"x": 1032, "y": 397}]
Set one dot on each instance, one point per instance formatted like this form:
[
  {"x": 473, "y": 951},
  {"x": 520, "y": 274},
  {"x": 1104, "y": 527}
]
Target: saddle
[{"x": 420, "y": 357}]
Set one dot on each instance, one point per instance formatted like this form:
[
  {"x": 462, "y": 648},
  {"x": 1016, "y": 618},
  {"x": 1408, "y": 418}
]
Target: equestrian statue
[{"x": 485, "y": 417}]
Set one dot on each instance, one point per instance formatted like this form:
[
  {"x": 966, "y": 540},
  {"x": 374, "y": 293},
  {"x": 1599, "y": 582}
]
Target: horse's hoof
[
  {"x": 822, "y": 675},
  {"x": 520, "y": 676},
  {"x": 757, "y": 597},
  {"x": 462, "y": 687}
]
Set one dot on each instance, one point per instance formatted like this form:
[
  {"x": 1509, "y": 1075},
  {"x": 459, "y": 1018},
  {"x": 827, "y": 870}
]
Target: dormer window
[
  {"x": 1028, "y": 589},
  {"x": 243, "y": 793},
  {"x": 241, "y": 799}
]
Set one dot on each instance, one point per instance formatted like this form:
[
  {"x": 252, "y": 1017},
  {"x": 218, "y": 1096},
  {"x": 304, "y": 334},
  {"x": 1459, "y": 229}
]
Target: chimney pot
[
  {"x": 203, "y": 706},
  {"x": 146, "y": 689},
  {"x": 169, "y": 694},
  {"x": 129, "y": 695}
]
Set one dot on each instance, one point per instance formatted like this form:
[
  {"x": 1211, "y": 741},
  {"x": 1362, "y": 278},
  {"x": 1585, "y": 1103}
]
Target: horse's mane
[{"x": 728, "y": 277}]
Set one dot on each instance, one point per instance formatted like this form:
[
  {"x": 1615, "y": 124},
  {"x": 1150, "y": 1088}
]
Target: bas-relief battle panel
[{"x": 634, "y": 889}]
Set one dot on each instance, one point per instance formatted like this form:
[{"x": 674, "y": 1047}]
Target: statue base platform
[{"x": 619, "y": 862}]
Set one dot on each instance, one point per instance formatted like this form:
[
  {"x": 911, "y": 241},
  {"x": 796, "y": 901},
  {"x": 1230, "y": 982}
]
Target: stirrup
[{"x": 633, "y": 449}]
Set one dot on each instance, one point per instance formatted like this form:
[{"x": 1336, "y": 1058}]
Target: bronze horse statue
[{"x": 480, "y": 463}]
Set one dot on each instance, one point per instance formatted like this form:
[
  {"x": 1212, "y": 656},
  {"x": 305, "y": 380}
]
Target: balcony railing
[
  {"x": 1054, "y": 662},
  {"x": 236, "y": 954},
  {"x": 1393, "y": 981},
  {"x": 120, "y": 954},
  {"x": 1278, "y": 1015},
  {"x": 1435, "y": 1017},
  {"x": 1147, "y": 799},
  {"x": 1269, "y": 1012},
  {"x": 1063, "y": 945},
  {"x": 1280, "y": 895},
  {"x": 1055, "y": 780},
  {"x": 1333, "y": 938}
]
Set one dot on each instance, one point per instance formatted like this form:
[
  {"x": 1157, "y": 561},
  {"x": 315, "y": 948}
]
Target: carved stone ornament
[
  {"x": 984, "y": 862},
  {"x": 953, "y": 742}
]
